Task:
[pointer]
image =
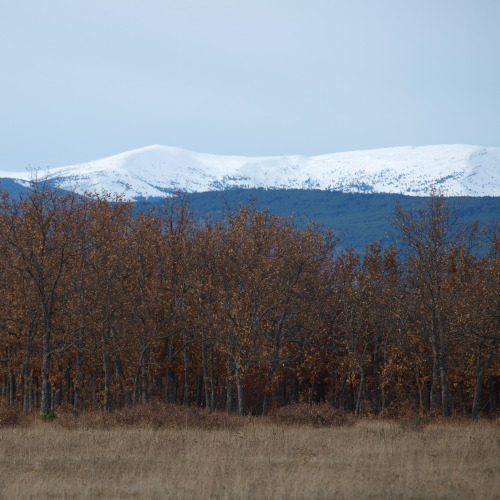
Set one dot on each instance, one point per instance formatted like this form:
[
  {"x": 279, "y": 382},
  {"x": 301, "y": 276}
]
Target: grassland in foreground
[
  {"x": 257, "y": 459},
  {"x": 167, "y": 451}
]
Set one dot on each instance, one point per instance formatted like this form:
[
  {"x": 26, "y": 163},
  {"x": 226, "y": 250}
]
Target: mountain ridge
[{"x": 155, "y": 171}]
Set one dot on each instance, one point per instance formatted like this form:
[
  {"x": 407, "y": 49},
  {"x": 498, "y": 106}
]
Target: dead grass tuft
[
  {"x": 316, "y": 416},
  {"x": 416, "y": 424}
]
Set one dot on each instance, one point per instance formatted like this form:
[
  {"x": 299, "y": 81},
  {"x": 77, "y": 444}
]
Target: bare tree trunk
[
  {"x": 284, "y": 393},
  {"x": 359, "y": 401},
  {"x": 420, "y": 392},
  {"x": 94, "y": 389},
  {"x": 341, "y": 393},
  {"x": 107, "y": 382},
  {"x": 170, "y": 376},
  {"x": 26, "y": 371},
  {"x": 204, "y": 370},
  {"x": 480, "y": 371},
  {"x": 212, "y": 380},
  {"x": 187, "y": 380},
  {"x": 229, "y": 389},
  {"x": 491, "y": 396},
  {"x": 295, "y": 388},
  {"x": 239, "y": 386},
  {"x": 445, "y": 390},
  {"x": 376, "y": 383},
  {"x": 137, "y": 378},
  {"x": 12, "y": 384},
  {"x": 270, "y": 374},
  {"x": 435, "y": 373},
  {"x": 45, "y": 399},
  {"x": 311, "y": 392},
  {"x": 78, "y": 381}
]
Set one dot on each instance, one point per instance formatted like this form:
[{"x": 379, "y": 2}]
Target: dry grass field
[{"x": 252, "y": 459}]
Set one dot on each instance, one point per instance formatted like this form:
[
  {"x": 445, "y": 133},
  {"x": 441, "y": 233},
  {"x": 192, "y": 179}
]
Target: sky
[{"x": 82, "y": 80}]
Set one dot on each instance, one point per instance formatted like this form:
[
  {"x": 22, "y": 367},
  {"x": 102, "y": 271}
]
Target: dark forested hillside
[{"x": 358, "y": 219}]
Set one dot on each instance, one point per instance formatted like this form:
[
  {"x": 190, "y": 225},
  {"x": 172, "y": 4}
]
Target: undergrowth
[
  {"x": 154, "y": 415},
  {"x": 162, "y": 415},
  {"x": 50, "y": 416},
  {"x": 11, "y": 416}
]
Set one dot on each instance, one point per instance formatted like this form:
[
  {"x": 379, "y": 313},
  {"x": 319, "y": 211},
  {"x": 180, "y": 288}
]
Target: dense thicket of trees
[{"x": 102, "y": 308}]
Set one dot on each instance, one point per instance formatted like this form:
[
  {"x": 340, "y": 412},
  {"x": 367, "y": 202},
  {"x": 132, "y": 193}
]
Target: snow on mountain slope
[{"x": 456, "y": 170}]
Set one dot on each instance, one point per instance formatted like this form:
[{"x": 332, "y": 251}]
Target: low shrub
[
  {"x": 175, "y": 416},
  {"x": 50, "y": 416},
  {"x": 415, "y": 423},
  {"x": 400, "y": 410},
  {"x": 11, "y": 416},
  {"x": 155, "y": 415}
]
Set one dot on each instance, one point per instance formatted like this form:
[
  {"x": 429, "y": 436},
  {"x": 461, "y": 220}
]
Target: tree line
[{"x": 102, "y": 307}]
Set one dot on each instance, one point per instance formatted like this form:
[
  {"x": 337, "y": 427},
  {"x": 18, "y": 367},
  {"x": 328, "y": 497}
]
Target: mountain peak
[{"x": 156, "y": 170}]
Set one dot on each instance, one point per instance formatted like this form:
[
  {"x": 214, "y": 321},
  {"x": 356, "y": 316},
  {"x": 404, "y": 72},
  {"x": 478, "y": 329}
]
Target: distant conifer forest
[{"x": 357, "y": 218}]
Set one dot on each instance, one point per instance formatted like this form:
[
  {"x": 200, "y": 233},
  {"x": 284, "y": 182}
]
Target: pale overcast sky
[{"x": 81, "y": 80}]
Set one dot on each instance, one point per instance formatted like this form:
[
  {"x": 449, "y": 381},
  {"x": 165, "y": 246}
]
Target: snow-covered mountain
[{"x": 455, "y": 170}]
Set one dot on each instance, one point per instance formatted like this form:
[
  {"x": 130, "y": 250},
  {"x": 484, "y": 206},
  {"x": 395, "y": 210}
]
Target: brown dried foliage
[{"x": 102, "y": 310}]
